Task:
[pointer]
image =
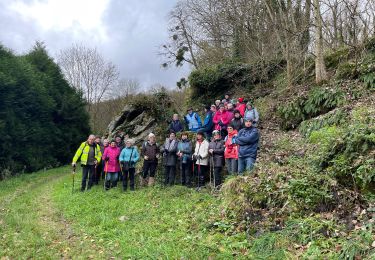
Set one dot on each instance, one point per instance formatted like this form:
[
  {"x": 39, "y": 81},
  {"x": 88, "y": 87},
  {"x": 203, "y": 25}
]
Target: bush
[
  {"x": 317, "y": 101},
  {"x": 213, "y": 81},
  {"x": 347, "y": 153}
]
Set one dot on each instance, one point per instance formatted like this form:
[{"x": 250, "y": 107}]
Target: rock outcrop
[{"x": 133, "y": 122}]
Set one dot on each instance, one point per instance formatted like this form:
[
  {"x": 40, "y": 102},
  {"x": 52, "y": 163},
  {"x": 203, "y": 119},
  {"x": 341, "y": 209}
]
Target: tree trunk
[{"x": 320, "y": 68}]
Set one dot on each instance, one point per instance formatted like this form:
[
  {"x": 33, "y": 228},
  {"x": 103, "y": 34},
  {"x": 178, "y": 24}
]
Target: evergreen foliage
[{"x": 42, "y": 119}]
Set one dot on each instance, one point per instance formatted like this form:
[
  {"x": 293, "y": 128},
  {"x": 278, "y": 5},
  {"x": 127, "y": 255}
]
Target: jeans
[
  {"x": 88, "y": 172},
  {"x": 170, "y": 174},
  {"x": 232, "y": 165},
  {"x": 111, "y": 180},
  {"x": 245, "y": 163},
  {"x": 149, "y": 166},
  {"x": 128, "y": 174}
]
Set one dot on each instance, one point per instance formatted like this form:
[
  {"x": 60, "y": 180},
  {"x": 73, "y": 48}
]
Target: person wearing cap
[
  {"x": 176, "y": 125},
  {"x": 169, "y": 151},
  {"x": 89, "y": 153},
  {"x": 237, "y": 121},
  {"x": 128, "y": 158},
  {"x": 216, "y": 150},
  {"x": 231, "y": 150},
  {"x": 185, "y": 150},
  {"x": 241, "y": 106},
  {"x": 111, "y": 165},
  {"x": 247, "y": 139},
  {"x": 193, "y": 121},
  {"x": 252, "y": 113},
  {"x": 208, "y": 123},
  {"x": 221, "y": 120},
  {"x": 200, "y": 157},
  {"x": 150, "y": 152}
]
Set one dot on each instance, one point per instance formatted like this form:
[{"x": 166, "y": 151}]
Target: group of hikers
[{"x": 228, "y": 136}]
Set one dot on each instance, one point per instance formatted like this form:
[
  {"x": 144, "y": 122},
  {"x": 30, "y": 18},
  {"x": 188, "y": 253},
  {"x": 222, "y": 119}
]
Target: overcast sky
[{"x": 127, "y": 33}]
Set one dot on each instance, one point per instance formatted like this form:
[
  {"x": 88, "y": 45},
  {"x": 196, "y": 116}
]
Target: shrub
[
  {"x": 317, "y": 101},
  {"x": 214, "y": 80}
]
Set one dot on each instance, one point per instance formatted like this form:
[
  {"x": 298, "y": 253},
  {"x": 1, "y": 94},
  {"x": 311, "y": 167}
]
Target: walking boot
[{"x": 151, "y": 181}]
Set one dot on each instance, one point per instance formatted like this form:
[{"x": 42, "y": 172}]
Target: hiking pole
[
  {"x": 73, "y": 173},
  {"x": 105, "y": 174},
  {"x": 211, "y": 169},
  {"x": 199, "y": 171},
  {"x": 213, "y": 172}
]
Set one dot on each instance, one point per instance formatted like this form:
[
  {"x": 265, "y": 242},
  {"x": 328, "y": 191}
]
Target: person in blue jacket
[
  {"x": 247, "y": 139},
  {"x": 128, "y": 158},
  {"x": 193, "y": 121},
  {"x": 208, "y": 124},
  {"x": 185, "y": 150}
]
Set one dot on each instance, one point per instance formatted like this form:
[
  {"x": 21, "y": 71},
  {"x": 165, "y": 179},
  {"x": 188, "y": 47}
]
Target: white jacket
[{"x": 202, "y": 150}]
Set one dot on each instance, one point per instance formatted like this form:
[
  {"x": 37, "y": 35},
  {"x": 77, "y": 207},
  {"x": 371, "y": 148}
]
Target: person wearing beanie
[
  {"x": 237, "y": 121},
  {"x": 150, "y": 152},
  {"x": 128, "y": 158},
  {"x": 216, "y": 150},
  {"x": 231, "y": 150},
  {"x": 185, "y": 150},
  {"x": 169, "y": 151},
  {"x": 208, "y": 123},
  {"x": 247, "y": 139},
  {"x": 227, "y": 98},
  {"x": 200, "y": 157},
  {"x": 252, "y": 113},
  {"x": 241, "y": 106},
  {"x": 217, "y": 104}
]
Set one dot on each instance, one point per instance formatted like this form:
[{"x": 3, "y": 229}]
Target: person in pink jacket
[
  {"x": 221, "y": 120},
  {"x": 111, "y": 165}
]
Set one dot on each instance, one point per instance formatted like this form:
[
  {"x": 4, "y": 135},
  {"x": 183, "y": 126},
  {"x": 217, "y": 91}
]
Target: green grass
[{"x": 40, "y": 218}]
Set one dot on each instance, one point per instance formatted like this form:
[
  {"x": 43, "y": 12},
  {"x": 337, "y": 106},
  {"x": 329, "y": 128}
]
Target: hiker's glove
[
  {"x": 221, "y": 123},
  {"x": 194, "y": 157},
  {"x": 106, "y": 159},
  {"x": 200, "y": 157}
]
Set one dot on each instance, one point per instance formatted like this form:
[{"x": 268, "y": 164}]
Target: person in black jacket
[
  {"x": 237, "y": 121},
  {"x": 216, "y": 150},
  {"x": 176, "y": 125},
  {"x": 185, "y": 150}
]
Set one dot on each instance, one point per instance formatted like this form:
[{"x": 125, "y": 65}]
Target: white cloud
[{"x": 57, "y": 15}]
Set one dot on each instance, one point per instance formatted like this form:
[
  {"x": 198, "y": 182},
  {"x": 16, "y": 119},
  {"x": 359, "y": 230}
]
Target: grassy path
[{"x": 40, "y": 218}]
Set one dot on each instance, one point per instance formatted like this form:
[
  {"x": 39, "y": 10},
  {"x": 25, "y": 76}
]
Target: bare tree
[
  {"x": 125, "y": 87},
  {"x": 87, "y": 70},
  {"x": 320, "y": 68}
]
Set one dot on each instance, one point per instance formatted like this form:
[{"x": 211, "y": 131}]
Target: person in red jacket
[
  {"x": 241, "y": 106},
  {"x": 111, "y": 164},
  {"x": 231, "y": 151},
  {"x": 221, "y": 120}
]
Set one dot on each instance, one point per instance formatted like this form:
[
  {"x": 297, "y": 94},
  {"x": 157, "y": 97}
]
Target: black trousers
[
  {"x": 217, "y": 174},
  {"x": 129, "y": 174},
  {"x": 186, "y": 173},
  {"x": 98, "y": 172},
  {"x": 170, "y": 175},
  {"x": 201, "y": 173},
  {"x": 149, "y": 168},
  {"x": 88, "y": 172}
]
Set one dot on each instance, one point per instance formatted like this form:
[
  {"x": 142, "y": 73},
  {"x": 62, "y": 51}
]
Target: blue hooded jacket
[
  {"x": 208, "y": 123},
  {"x": 127, "y": 152},
  {"x": 248, "y": 139}
]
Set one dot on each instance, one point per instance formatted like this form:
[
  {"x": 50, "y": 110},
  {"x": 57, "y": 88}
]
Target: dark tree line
[{"x": 42, "y": 118}]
